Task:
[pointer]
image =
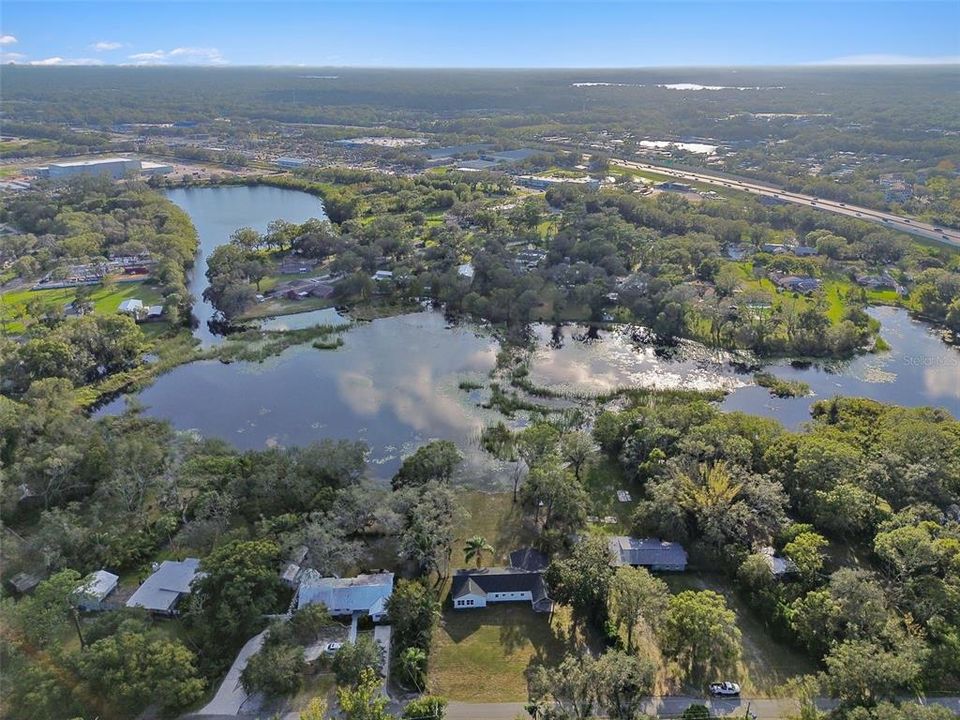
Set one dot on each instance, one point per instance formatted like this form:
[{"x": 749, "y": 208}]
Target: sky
[{"x": 470, "y": 33}]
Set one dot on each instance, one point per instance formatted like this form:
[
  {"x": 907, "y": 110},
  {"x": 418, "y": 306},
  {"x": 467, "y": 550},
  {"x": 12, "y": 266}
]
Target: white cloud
[
  {"x": 180, "y": 55},
  {"x": 106, "y": 45},
  {"x": 7, "y": 40},
  {"x": 11, "y": 57},
  {"x": 66, "y": 61},
  {"x": 885, "y": 59},
  {"x": 157, "y": 56}
]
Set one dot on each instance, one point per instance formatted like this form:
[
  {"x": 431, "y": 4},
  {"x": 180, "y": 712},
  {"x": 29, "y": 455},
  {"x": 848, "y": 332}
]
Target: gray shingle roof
[
  {"x": 646, "y": 551},
  {"x": 528, "y": 559}
]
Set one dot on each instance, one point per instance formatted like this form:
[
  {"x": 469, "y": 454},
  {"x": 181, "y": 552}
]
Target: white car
[
  {"x": 332, "y": 648},
  {"x": 725, "y": 689}
]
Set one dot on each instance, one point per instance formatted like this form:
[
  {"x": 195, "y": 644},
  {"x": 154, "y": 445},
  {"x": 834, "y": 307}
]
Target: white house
[
  {"x": 131, "y": 306},
  {"x": 363, "y": 594},
  {"x": 479, "y": 588},
  {"x": 94, "y": 590}
]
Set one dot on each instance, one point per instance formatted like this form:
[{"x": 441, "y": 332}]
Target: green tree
[
  {"x": 571, "y": 685},
  {"x": 623, "y": 682},
  {"x": 135, "y": 669},
  {"x": 427, "y": 707},
  {"x": 702, "y": 634},
  {"x": 861, "y": 672},
  {"x": 238, "y": 587},
  {"x": 413, "y": 666},
  {"x": 806, "y": 552},
  {"x": 365, "y": 701},
  {"x": 637, "y": 597},
  {"x": 696, "y": 712},
  {"x": 582, "y": 581},
  {"x": 41, "y": 616},
  {"x": 435, "y": 461},
  {"x": 275, "y": 671},
  {"x": 354, "y": 658}
]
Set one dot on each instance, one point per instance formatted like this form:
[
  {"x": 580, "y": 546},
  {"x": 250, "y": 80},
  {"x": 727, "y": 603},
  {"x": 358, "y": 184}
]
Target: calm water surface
[
  {"x": 393, "y": 384},
  {"x": 919, "y": 370},
  {"x": 218, "y": 211}
]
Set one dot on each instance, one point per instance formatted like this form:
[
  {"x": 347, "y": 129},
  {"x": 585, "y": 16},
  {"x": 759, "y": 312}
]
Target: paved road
[
  {"x": 231, "y": 695},
  {"x": 672, "y": 706},
  {"x": 945, "y": 236}
]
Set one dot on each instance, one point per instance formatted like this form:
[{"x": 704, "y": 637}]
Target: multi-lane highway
[{"x": 946, "y": 236}]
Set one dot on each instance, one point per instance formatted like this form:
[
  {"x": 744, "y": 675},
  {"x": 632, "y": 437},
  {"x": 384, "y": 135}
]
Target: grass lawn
[
  {"x": 482, "y": 655},
  {"x": 495, "y": 517},
  {"x": 766, "y": 663},
  {"x": 106, "y": 299}
]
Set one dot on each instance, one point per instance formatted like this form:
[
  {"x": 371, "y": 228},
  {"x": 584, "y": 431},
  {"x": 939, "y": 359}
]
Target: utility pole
[{"x": 76, "y": 621}]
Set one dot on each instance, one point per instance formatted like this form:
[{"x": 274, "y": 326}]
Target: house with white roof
[
  {"x": 651, "y": 553},
  {"x": 131, "y": 306},
  {"x": 92, "y": 593},
  {"x": 161, "y": 592},
  {"x": 779, "y": 566},
  {"x": 360, "y": 595}
]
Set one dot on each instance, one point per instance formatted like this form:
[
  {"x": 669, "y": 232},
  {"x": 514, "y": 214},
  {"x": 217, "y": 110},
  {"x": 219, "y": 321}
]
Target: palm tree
[
  {"x": 475, "y": 548},
  {"x": 413, "y": 660}
]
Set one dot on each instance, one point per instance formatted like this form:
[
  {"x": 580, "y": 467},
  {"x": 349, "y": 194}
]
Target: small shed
[
  {"x": 25, "y": 582},
  {"x": 92, "y": 594}
]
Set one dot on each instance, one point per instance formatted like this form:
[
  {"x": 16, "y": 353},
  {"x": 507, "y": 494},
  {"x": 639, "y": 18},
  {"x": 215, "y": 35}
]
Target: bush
[
  {"x": 275, "y": 671},
  {"x": 353, "y": 658}
]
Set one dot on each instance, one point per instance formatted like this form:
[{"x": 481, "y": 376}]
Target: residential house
[
  {"x": 170, "y": 582},
  {"x": 875, "y": 282},
  {"x": 803, "y": 285},
  {"x": 804, "y": 251},
  {"x": 774, "y": 248},
  {"x": 779, "y": 566},
  {"x": 651, "y": 553},
  {"x": 362, "y": 595},
  {"x": 478, "y": 588},
  {"x": 131, "y": 306},
  {"x": 93, "y": 592}
]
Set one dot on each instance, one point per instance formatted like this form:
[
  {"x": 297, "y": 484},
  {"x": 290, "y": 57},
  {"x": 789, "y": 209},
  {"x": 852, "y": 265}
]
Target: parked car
[
  {"x": 332, "y": 648},
  {"x": 725, "y": 689}
]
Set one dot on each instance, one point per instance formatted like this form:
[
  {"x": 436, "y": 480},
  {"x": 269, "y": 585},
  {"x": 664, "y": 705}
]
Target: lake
[
  {"x": 919, "y": 370},
  {"x": 393, "y": 384},
  {"x": 218, "y": 211}
]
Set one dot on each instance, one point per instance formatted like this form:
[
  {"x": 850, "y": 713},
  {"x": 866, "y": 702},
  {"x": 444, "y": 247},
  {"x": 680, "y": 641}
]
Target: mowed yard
[
  {"x": 105, "y": 298},
  {"x": 482, "y": 655}
]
